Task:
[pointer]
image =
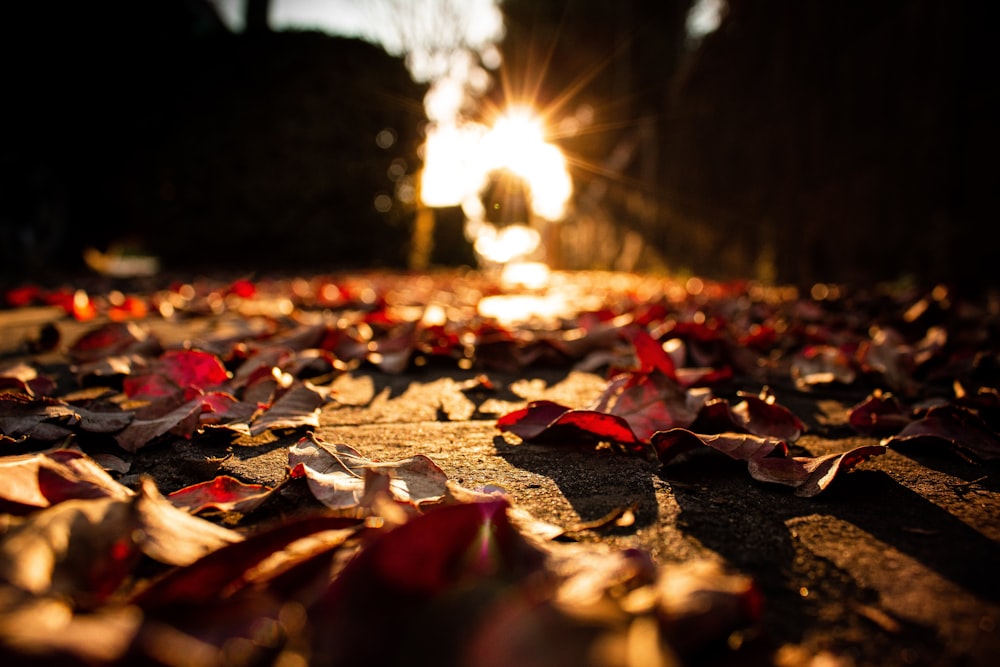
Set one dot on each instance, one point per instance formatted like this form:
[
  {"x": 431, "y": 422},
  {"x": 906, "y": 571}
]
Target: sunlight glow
[
  {"x": 517, "y": 143},
  {"x": 458, "y": 160},
  {"x": 511, "y": 309},
  {"x": 515, "y": 138},
  {"x": 530, "y": 275},
  {"x": 504, "y": 244},
  {"x": 450, "y": 164}
]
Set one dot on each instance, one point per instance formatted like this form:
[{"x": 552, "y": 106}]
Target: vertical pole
[{"x": 422, "y": 241}]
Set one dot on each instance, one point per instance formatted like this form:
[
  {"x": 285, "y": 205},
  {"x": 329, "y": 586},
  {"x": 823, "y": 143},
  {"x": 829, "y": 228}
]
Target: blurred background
[{"x": 781, "y": 141}]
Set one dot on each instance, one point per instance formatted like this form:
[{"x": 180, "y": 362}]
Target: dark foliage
[
  {"x": 799, "y": 142},
  {"x": 150, "y": 124}
]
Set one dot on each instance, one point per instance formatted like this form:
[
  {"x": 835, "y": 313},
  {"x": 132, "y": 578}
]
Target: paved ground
[{"x": 896, "y": 564}]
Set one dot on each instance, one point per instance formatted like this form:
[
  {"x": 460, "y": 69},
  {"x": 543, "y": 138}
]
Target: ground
[{"x": 893, "y": 564}]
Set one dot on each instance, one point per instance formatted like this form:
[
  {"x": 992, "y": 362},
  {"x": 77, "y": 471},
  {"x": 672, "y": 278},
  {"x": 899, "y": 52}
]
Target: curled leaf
[
  {"x": 39, "y": 480},
  {"x": 754, "y": 414},
  {"x": 880, "y": 415},
  {"x": 296, "y": 408},
  {"x": 809, "y": 475},
  {"x": 223, "y": 493},
  {"x": 741, "y": 446},
  {"x": 79, "y": 549},
  {"x": 955, "y": 427},
  {"x": 231, "y": 567},
  {"x": 112, "y": 339},
  {"x": 546, "y": 421},
  {"x": 192, "y": 368},
  {"x": 181, "y": 421},
  {"x": 339, "y": 476},
  {"x": 172, "y": 536},
  {"x": 50, "y": 419}
]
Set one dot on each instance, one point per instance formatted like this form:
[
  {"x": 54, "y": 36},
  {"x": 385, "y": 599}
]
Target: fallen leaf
[
  {"x": 299, "y": 406},
  {"x": 181, "y": 421},
  {"x": 740, "y": 446},
  {"x": 337, "y": 475},
  {"x": 150, "y": 386},
  {"x": 170, "y": 535},
  {"x": 648, "y": 402},
  {"x": 112, "y": 339},
  {"x": 630, "y": 409},
  {"x": 192, "y": 368},
  {"x": 955, "y": 427},
  {"x": 809, "y": 475},
  {"x": 228, "y": 569},
  {"x": 34, "y": 481},
  {"x": 223, "y": 493},
  {"x": 650, "y": 354},
  {"x": 766, "y": 457},
  {"x": 78, "y": 549},
  {"x": 546, "y": 421},
  {"x": 41, "y": 419},
  {"x": 754, "y": 414},
  {"x": 50, "y": 419},
  {"x": 24, "y": 377},
  {"x": 437, "y": 572},
  {"x": 880, "y": 415}
]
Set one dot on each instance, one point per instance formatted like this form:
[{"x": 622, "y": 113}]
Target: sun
[
  {"x": 517, "y": 143},
  {"x": 458, "y": 160}
]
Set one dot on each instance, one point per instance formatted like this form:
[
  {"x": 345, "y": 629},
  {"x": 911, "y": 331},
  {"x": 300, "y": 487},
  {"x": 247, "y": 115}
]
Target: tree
[{"x": 837, "y": 138}]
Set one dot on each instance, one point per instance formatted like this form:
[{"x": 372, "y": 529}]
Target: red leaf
[
  {"x": 243, "y": 288},
  {"x": 756, "y": 415},
  {"x": 24, "y": 295},
  {"x": 530, "y": 422},
  {"x": 451, "y": 551},
  {"x": 651, "y": 355},
  {"x": 225, "y": 571},
  {"x": 114, "y": 338},
  {"x": 223, "y": 493},
  {"x": 545, "y": 421},
  {"x": 648, "y": 403},
  {"x": 761, "y": 415},
  {"x": 150, "y": 386},
  {"x": 879, "y": 415},
  {"x": 953, "y": 426},
  {"x": 193, "y": 368},
  {"x": 632, "y": 407}
]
